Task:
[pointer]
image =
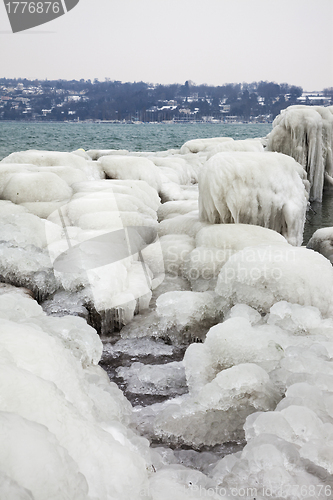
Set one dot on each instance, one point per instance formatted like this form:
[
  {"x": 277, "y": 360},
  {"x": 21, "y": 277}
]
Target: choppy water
[{"x": 19, "y": 136}]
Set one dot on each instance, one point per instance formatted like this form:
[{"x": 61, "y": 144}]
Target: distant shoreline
[{"x": 114, "y": 122}]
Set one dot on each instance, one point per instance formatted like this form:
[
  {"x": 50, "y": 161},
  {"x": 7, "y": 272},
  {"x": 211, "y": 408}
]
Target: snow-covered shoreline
[{"x": 217, "y": 269}]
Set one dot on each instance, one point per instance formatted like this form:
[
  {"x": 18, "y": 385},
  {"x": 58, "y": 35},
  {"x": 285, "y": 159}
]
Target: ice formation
[
  {"x": 266, "y": 189},
  {"x": 252, "y": 312},
  {"x": 306, "y": 134}
]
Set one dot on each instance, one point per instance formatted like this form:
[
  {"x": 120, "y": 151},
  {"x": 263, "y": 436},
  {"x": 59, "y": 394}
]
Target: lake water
[{"x": 19, "y": 136}]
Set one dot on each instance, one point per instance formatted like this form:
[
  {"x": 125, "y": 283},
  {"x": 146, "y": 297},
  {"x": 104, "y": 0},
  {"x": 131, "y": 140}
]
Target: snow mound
[{"x": 267, "y": 190}]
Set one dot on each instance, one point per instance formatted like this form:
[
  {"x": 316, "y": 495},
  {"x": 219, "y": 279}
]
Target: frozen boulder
[
  {"x": 268, "y": 190},
  {"x": 215, "y": 244},
  {"x": 35, "y": 187},
  {"x": 260, "y": 276}
]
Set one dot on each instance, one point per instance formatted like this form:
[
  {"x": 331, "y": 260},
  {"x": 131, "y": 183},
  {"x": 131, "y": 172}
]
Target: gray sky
[{"x": 171, "y": 41}]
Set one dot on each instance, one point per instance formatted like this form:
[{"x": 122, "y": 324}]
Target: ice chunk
[
  {"x": 184, "y": 309},
  {"x": 297, "y": 319},
  {"x": 231, "y": 343},
  {"x": 172, "y": 191},
  {"x": 236, "y": 236},
  {"x": 267, "y": 190},
  {"x": 30, "y": 268},
  {"x": 95, "y": 154},
  {"x": 305, "y": 423},
  {"x": 24, "y": 229},
  {"x": 138, "y": 348},
  {"x": 322, "y": 242},
  {"x": 271, "y": 422},
  {"x": 165, "y": 380},
  {"x": 217, "y": 413},
  {"x": 263, "y": 275},
  {"x": 244, "y": 311},
  {"x": 46, "y": 159},
  {"x": 320, "y": 452},
  {"x": 48, "y": 386}
]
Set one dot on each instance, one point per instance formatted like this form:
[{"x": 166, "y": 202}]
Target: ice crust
[{"x": 252, "y": 312}]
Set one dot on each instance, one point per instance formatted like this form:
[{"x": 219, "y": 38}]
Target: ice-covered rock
[
  {"x": 267, "y": 190},
  {"x": 245, "y": 145},
  {"x": 215, "y": 244},
  {"x": 129, "y": 167},
  {"x": 36, "y": 187},
  {"x": 181, "y": 312},
  {"x": 306, "y": 134},
  {"x": 202, "y": 145},
  {"x": 231, "y": 343},
  {"x": 76, "y": 417},
  {"x": 263, "y": 275},
  {"x": 177, "y": 169},
  {"x": 172, "y": 208},
  {"x": 181, "y": 224}
]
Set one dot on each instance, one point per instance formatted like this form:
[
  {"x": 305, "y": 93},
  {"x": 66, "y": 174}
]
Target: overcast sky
[{"x": 171, "y": 41}]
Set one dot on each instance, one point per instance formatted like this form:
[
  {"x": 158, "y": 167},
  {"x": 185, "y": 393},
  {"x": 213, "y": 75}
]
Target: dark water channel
[{"x": 319, "y": 215}]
